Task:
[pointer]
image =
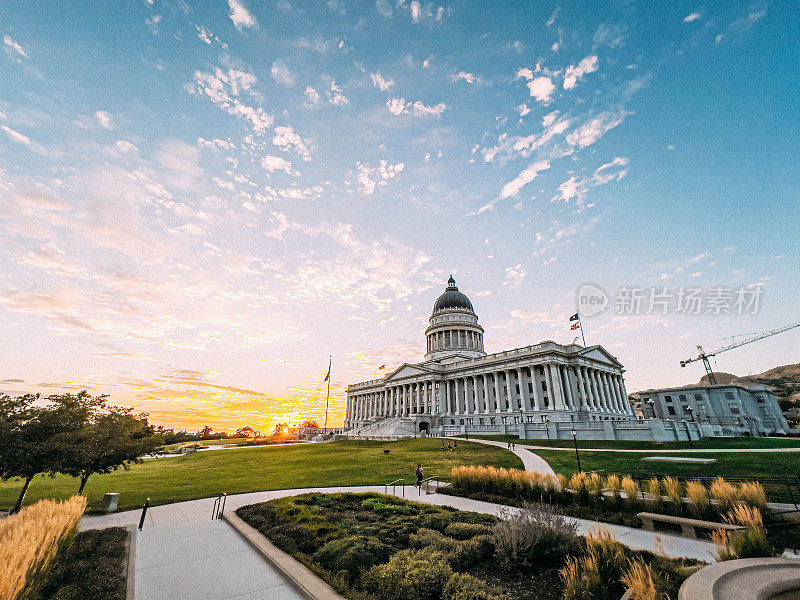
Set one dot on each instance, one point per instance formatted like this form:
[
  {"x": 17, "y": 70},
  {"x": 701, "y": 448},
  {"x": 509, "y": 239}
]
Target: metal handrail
[
  {"x": 144, "y": 513},
  {"x": 427, "y": 484},
  {"x": 219, "y": 503},
  {"x": 394, "y": 486}
]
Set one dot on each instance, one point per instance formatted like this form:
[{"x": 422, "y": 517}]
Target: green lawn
[
  {"x": 734, "y": 464},
  {"x": 708, "y": 443},
  {"x": 205, "y": 474}
]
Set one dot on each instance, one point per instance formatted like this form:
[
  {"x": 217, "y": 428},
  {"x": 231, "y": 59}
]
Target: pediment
[
  {"x": 600, "y": 354},
  {"x": 407, "y": 370}
]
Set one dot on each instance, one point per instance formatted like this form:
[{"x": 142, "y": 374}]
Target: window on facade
[
  {"x": 461, "y": 421},
  {"x": 667, "y": 398},
  {"x": 698, "y": 398},
  {"x": 544, "y": 385},
  {"x": 729, "y": 395},
  {"x": 734, "y": 408},
  {"x": 760, "y": 399},
  {"x": 686, "y": 408},
  {"x": 530, "y": 387},
  {"x": 682, "y": 397},
  {"x": 480, "y": 421},
  {"x": 491, "y": 420},
  {"x": 671, "y": 410}
]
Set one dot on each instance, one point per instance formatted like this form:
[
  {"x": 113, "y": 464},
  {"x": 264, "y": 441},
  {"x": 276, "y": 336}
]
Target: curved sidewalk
[
  {"x": 197, "y": 512},
  {"x": 531, "y": 462}
]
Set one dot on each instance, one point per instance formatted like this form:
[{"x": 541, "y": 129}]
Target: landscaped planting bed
[
  {"x": 617, "y": 499},
  {"x": 94, "y": 567},
  {"x": 376, "y": 547}
]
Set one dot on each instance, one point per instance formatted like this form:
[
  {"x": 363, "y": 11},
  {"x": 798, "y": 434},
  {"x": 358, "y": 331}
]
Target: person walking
[{"x": 420, "y": 474}]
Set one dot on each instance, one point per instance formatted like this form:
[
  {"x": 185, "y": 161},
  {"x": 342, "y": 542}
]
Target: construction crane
[{"x": 705, "y": 355}]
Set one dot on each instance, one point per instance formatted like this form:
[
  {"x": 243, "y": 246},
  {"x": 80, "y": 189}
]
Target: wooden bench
[{"x": 689, "y": 526}]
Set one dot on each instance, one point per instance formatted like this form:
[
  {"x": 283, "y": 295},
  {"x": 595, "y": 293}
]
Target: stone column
[
  {"x": 600, "y": 393},
  {"x": 538, "y": 402},
  {"x": 557, "y": 393},
  {"x": 568, "y": 386},
  {"x": 611, "y": 395},
  {"x": 525, "y": 403},
  {"x": 581, "y": 389},
  {"x": 509, "y": 391},
  {"x": 496, "y": 401},
  {"x": 457, "y": 396},
  {"x": 594, "y": 401},
  {"x": 485, "y": 395}
]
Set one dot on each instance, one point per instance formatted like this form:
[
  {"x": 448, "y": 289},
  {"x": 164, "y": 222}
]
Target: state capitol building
[{"x": 458, "y": 388}]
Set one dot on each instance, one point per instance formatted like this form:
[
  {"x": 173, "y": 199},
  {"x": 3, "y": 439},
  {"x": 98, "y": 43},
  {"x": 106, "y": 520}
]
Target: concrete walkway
[
  {"x": 186, "y": 518},
  {"x": 531, "y": 462},
  {"x": 659, "y": 450}
]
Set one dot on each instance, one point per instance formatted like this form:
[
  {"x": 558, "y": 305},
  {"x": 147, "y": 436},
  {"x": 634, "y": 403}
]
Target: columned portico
[{"x": 459, "y": 387}]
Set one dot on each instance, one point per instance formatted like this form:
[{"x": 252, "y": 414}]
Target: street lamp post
[
  {"x": 577, "y": 455},
  {"x": 546, "y": 421}
]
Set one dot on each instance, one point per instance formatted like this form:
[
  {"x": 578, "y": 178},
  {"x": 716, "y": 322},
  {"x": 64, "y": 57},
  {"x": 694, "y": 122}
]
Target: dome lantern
[{"x": 454, "y": 329}]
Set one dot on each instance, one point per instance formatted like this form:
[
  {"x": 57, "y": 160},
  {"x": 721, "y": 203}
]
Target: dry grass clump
[
  {"x": 673, "y": 488},
  {"x": 751, "y": 543},
  {"x": 639, "y": 579},
  {"x": 654, "y": 489},
  {"x": 30, "y": 539},
  {"x": 595, "y": 575},
  {"x": 505, "y": 482},
  {"x": 698, "y": 494},
  {"x": 752, "y": 494},
  {"x": 631, "y": 489},
  {"x": 725, "y": 494},
  {"x": 613, "y": 485}
]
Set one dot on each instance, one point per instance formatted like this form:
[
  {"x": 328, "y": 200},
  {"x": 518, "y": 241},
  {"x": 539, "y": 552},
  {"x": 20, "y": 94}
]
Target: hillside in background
[{"x": 784, "y": 380}]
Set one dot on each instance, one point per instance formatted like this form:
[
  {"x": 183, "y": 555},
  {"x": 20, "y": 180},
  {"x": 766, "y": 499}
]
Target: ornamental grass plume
[
  {"x": 722, "y": 540},
  {"x": 753, "y": 495},
  {"x": 726, "y": 494},
  {"x": 639, "y": 580},
  {"x": 654, "y": 489},
  {"x": 613, "y": 485},
  {"x": 752, "y": 543},
  {"x": 673, "y": 489},
  {"x": 631, "y": 489},
  {"x": 698, "y": 494},
  {"x": 30, "y": 540},
  {"x": 579, "y": 484}
]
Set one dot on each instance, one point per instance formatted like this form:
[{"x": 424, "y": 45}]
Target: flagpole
[
  {"x": 328, "y": 396},
  {"x": 581, "y": 326}
]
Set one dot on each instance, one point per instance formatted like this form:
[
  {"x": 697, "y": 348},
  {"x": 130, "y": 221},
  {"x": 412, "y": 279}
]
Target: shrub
[
  {"x": 437, "y": 521},
  {"x": 465, "y": 531},
  {"x": 430, "y": 538},
  {"x": 93, "y": 567},
  {"x": 726, "y": 494},
  {"x": 698, "y": 494},
  {"x": 470, "y": 552},
  {"x": 753, "y": 495},
  {"x": 389, "y": 508},
  {"x": 465, "y": 587},
  {"x": 410, "y": 575},
  {"x": 631, "y": 489},
  {"x": 673, "y": 489},
  {"x": 531, "y": 532},
  {"x": 352, "y": 554},
  {"x": 30, "y": 541}
]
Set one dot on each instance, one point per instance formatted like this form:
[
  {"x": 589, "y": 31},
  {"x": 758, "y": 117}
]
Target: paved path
[
  {"x": 190, "y": 516},
  {"x": 531, "y": 461},
  {"x": 659, "y": 450}
]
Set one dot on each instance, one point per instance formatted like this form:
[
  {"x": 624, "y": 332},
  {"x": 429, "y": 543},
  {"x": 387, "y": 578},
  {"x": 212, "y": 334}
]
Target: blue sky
[{"x": 201, "y": 201}]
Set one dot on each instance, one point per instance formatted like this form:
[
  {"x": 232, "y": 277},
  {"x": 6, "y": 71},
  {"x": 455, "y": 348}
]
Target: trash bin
[{"x": 109, "y": 502}]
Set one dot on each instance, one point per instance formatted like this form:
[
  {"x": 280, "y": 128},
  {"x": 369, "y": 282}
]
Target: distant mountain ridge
[{"x": 784, "y": 380}]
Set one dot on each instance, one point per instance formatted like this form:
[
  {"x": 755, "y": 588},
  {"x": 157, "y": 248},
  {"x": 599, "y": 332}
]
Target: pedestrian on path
[{"x": 419, "y": 473}]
